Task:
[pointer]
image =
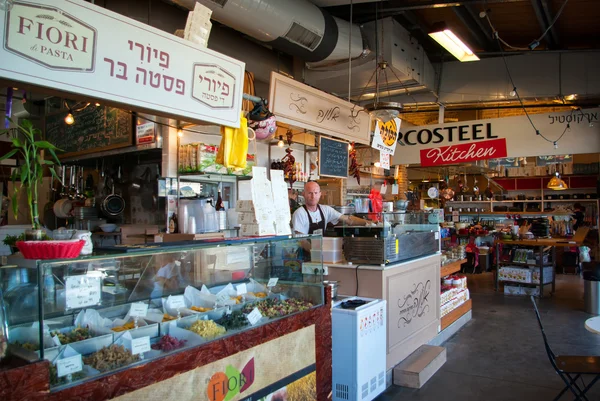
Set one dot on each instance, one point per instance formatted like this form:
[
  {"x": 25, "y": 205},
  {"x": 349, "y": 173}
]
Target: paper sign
[
  {"x": 254, "y": 316},
  {"x": 437, "y": 235},
  {"x": 223, "y": 297},
  {"x": 82, "y": 291},
  {"x": 394, "y": 189},
  {"x": 386, "y": 135},
  {"x": 241, "y": 289},
  {"x": 384, "y": 160},
  {"x": 70, "y": 365},
  {"x": 177, "y": 302},
  {"x": 140, "y": 345},
  {"x": 138, "y": 309},
  {"x": 455, "y": 216},
  {"x": 272, "y": 282},
  {"x": 383, "y": 189}
]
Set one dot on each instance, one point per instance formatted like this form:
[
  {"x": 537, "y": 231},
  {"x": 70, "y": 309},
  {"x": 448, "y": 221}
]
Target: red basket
[{"x": 51, "y": 249}]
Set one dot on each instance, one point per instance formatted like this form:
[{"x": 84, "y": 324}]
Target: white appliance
[{"x": 359, "y": 349}]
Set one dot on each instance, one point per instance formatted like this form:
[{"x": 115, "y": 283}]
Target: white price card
[
  {"x": 140, "y": 345},
  {"x": 254, "y": 316},
  {"x": 70, "y": 365},
  {"x": 394, "y": 189},
  {"x": 223, "y": 297},
  {"x": 138, "y": 309},
  {"x": 177, "y": 302},
  {"x": 241, "y": 289},
  {"x": 437, "y": 235},
  {"x": 272, "y": 282},
  {"x": 82, "y": 291}
]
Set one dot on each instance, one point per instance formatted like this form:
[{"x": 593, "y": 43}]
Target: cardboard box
[{"x": 259, "y": 229}]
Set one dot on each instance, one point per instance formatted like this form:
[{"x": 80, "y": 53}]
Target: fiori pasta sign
[
  {"x": 49, "y": 36},
  {"x": 223, "y": 386},
  {"x": 467, "y": 152}
]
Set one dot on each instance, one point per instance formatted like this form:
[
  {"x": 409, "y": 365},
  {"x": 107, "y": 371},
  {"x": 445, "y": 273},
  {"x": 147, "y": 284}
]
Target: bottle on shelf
[{"x": 219, "y": 205}]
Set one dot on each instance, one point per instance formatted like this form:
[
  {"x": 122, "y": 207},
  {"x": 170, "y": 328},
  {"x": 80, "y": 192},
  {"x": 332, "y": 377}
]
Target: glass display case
[
  {"x": 98, "y": 314},
  {"x": 390, "y": 237}
]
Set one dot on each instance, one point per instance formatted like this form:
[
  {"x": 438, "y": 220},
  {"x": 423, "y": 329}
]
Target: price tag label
[
  {"x": 177, "y": 302},
  {"x": 223, "y": 297},
  {"x": 254, "y": 316},
  {"x": 242, "y": 289},
  {"x": 138, "y": 309},
  {"x": 272, "y": 282},
  {"x": 82, "y": 291},
  {"x": 437, "y": 235},
  {"x": 140, "y": 345},
  {"x": 69, "y": 365}
]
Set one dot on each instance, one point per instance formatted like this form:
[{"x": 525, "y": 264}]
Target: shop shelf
[
  {"x": 522, "y": 283},
  {"x": 456, "y": 314},
  {"x": 451, "y": 268}
]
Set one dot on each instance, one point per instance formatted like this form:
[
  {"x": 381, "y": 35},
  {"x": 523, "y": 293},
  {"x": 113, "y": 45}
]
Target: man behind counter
[{"x": 312, "y": 218}]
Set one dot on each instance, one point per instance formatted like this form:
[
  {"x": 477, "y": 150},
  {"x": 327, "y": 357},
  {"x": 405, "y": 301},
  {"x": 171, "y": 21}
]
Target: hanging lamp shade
[
  {"x": 384, "y": 111},
  {"x": 556, "y": 183}
]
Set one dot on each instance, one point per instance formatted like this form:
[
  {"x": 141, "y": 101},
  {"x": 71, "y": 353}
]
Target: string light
[
  {"x": 179, "y": 132},
  {"x": 513, "y": 92},
  {"x": 69, "y": 119},
  {"x": 280, "y": 143},
  {"x": 97, "y": 104}
]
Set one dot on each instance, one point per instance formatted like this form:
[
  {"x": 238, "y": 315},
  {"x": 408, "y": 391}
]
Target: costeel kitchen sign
[
  {"x": 468, "y": 141},
  {"x": 78, "y": 47}
]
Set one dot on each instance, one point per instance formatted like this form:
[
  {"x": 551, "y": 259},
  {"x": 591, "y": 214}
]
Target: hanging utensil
[
  {"x": 102, "y": 171},
  {"x": 63, "y": 173},
  {"x": 112, "y": 205}
]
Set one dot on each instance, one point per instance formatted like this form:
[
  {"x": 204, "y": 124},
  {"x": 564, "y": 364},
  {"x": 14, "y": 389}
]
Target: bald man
[{"x": 312, "y": 218}]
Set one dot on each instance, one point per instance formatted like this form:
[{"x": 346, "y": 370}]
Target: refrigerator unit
[{"x": 359, "y": 348}]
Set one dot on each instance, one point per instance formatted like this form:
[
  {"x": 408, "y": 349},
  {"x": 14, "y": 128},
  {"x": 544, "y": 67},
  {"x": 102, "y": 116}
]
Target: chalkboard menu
[
  {"x": 506, "y": 162},
  {"x": 95, "y": 129},
  {"x": 333, "y": 158}
]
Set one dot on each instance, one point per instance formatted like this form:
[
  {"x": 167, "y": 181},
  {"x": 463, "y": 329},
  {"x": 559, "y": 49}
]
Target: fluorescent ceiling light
[{"x": 449, "y": 41}]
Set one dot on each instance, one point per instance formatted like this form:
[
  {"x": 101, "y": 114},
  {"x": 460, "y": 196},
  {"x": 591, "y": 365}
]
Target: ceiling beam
[
  {"x": 477, "y": 32},
  {"x": 543, "y": 22},
  {"x": 549, "y": 19}
]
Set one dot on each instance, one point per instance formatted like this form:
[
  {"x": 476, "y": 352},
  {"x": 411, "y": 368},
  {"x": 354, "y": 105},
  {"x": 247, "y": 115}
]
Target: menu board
[
  {"x": 554, "y": 159},
  {"x": 95, "y": 129},
  {"x": 333, "y": 158}
]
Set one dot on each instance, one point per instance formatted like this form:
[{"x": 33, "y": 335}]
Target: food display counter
[{"x": 207, "y": 312}]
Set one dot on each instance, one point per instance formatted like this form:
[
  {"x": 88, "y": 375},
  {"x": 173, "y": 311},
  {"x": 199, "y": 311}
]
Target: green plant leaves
[
  {"x": 9, "y": 154},
  {"x": 44, "y": 145}
]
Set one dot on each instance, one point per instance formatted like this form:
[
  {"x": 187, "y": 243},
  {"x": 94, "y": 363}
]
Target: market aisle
[{"x": 500, "y": 355}]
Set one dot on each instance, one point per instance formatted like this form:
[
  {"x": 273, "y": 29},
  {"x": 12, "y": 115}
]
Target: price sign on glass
[{"x": 82, "y": 291}]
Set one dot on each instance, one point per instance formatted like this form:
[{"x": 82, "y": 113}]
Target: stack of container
[{"x": 328, "y": 251}]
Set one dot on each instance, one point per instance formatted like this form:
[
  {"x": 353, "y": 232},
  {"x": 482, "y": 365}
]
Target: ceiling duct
[{"x": 296, "y": 27}]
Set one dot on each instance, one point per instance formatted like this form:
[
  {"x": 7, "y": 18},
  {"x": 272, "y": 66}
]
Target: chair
[{"x": 570, "y": 367}]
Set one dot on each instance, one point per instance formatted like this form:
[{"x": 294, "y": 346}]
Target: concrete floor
[{"x": 499, "y": 355}]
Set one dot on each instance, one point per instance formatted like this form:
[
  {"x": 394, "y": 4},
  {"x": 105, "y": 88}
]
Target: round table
[{"x": 593, "y": 324}]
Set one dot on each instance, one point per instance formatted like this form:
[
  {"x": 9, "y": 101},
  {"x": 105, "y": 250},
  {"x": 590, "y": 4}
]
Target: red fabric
[
  {"x": 472, "y": 248},
  {"x": 376, "y": 204}
]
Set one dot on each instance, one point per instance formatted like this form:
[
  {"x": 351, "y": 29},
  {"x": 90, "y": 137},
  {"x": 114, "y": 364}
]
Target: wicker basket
[{"x": 51, "y": 249}]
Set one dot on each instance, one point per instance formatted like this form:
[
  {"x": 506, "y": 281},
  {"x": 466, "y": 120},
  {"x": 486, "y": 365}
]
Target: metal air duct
[{"x": 296, "y": 27}]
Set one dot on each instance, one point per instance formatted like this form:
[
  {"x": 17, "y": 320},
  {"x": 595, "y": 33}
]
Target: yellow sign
[{"x": 385, "y": 136}]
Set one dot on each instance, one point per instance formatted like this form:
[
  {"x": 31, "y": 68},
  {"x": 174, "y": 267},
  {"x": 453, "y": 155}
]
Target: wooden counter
[{"x": 577, "y": 240}]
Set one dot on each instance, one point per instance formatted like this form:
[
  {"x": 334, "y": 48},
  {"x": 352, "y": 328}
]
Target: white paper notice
[
  {"x": 272, "y": 282},
  {"x": 254, "y": 316},
  {"x": 383, "y": 189},
  {"x": 140, "y": 345},
  {"x": 394, "y": 189},
  {"x": 82, "y": 291},
  {"x": 241, "y": 289},
  {"x": 177, "y": 302},
  {"x": 138, "y": 309},
  {"x": 70, "y": 365},
  {"x": 223, "y": 297}
]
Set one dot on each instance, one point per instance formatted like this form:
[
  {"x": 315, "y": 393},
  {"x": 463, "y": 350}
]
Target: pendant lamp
[{"x": 556, "y": 183}]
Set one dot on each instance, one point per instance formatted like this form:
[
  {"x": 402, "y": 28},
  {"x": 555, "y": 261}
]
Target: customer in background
[
  {"x": 578, "y": 215},
  {"x": 313, "y": 218}
]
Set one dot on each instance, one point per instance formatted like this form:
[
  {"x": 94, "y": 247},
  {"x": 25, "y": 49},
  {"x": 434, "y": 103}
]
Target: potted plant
[{"x": 28, "y": 147}]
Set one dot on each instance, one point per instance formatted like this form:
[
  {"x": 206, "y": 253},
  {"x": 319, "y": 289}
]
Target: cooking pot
[
  {"x": 334, "y": 287},
  {"x": 113, "y": 204}
]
